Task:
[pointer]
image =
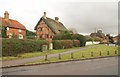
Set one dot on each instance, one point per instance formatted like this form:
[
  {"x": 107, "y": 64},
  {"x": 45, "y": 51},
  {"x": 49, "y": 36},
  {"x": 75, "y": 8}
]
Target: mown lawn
[{"x": 98, "y": 51}]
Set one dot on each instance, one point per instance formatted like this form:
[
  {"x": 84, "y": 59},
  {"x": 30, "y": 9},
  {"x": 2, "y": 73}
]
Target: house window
[
  {"x": 50, "y": 36},
  {"x": 19, "y": 30},
  {"x": 20, "y": 36},
  {"x": 40, "y": 36},
  {"x": 39, "y": 28},
  {"x": 10, "y": 35},
  {"x": 7, "y": 28},
  {"x": 46, "y": 36}
]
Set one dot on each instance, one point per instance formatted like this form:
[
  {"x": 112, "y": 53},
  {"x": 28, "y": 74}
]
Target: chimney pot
[
  {"x": 44, "y": 15},
  {"x": 6, "y": 15},
  {"x": 56, "y": 18}
]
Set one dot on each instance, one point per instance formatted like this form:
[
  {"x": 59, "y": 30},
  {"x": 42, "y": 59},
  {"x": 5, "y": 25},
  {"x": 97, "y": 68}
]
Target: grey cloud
[{"x": 85, "y": 17}]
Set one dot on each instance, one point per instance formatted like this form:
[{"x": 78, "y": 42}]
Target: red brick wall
[
  {"x": 16, "y": 31},
  {"x": 43, "y": 31}
]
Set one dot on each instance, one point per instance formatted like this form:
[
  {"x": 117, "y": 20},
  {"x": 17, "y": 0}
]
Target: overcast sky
[{"x": 81, "y": 15}]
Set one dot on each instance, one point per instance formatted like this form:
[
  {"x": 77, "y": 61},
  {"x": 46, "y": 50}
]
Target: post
[
  {"x": 92, "y": 54},
  {"x": 108, "y": 53},
  {"x": 46, "y": 57},
  {"x": 115, "y": 52},
  {"x": 72, "y": 56},
  {"x": 59, "y": 56},
  {"x": 82, "y": 55},
  {"x": 100, "y": 53}
]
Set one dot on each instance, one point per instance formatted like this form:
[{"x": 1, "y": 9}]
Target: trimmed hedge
[
  {"x": 64, "y": 44},
  {"x": 76, "y": 43},
  {"x": 13, "y": 47},
  {"x": 79, "y": 37}
]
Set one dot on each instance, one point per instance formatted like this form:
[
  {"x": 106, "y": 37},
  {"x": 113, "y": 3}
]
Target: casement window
[
  {"x": 19, "y": 30},
  {"x": 20, "y": 36},
  {"x": 46, "y": 36},
  {"x": 39, "y": 28},
  {"x": 7, "y": 28},
  {"x": 40, "y": 36},
  {"x": 50, "y": 36}
]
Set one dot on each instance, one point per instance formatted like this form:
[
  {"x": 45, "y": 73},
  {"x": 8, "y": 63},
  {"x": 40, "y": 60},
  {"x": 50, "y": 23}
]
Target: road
[
  {"x": 26, "y": 60},
  {"x": 102, "y": 66}
]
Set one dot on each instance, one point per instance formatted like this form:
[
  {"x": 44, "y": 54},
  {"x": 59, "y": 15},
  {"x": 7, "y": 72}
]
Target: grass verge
[
  {"x": 98, "y": 51},
  {"x": 36, "y": 54}
]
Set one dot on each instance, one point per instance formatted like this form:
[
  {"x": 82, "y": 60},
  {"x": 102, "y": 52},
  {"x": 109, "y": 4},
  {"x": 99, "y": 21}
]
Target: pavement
[
  {"x": 26, "y": 60},
  {"x": 100, "y": 66}
]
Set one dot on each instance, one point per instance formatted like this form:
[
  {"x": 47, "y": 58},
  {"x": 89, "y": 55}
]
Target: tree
[
  {"x": 3, "y": 32},
  {"x": 81, "y": 38},
  {"x": 30, "y": 33}
]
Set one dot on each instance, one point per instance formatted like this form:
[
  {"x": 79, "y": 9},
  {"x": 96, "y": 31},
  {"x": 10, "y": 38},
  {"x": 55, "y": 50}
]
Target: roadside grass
[
  {"x": 98, "y": 51},
  {"x": 36, "y": 54}
]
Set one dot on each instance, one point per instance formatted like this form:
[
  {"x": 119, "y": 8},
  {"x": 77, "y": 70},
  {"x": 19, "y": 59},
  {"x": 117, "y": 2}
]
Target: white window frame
[
  {"x": 19, "y": 30},
  {"x": 7, "y": 28}
]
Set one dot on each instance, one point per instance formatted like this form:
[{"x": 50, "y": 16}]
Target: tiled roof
[
  {"x": 56, "y": 27},
  {"x": 12, "y": 23}
]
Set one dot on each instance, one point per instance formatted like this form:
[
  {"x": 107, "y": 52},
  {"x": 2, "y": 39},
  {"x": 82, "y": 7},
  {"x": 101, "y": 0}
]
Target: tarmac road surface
[{"x": 101, "y": 66}]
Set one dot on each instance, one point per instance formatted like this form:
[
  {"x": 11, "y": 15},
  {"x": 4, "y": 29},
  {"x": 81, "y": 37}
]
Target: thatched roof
[{"x": 56, "y": 27}]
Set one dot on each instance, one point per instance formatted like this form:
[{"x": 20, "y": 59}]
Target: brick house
[
  {"x": 116, "y": 39},
  {"x": 13, "y": 27},
  {"x": 46, "y": 28}
]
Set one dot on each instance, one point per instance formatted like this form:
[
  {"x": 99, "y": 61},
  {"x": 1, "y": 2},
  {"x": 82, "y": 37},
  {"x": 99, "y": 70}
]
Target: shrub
[
  {"x": 57, "y": 44},
  {"x": 79, "y": 37},
  {"x": 30, "y": 33},
  {"x": 64, "y": 44},
  {"x": 3, "y": 32},
  {"x": 30, "y": 37},
  {"x": 13, "y": 47},
  {"x": 68, "y": 36},
  {"x": 76, "y": 43}
]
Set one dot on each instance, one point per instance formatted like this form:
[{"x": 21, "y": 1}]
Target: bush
[
  {"x": 64, "y": 44},
  {"x": 79, "y": 37},
  {"x": 30, "y": 37},
  {"x": 3, "y": 32},
  {"x": 13, "y": 47},
  {"x": 93, "y": 38},
  {"x": 76, "y": 43},
  {"x": 68, "y": 36},
  {"x": 30, "y": 33}
]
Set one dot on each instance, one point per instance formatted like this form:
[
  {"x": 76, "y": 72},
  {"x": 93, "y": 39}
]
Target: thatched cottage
[{"x": 46, "y": 28}]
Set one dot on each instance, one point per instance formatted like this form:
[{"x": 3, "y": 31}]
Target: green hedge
[
  {"x": 64, "y": 44},
  {"x": 79, "y": 37},
  {"x": 13, "y": 47}
]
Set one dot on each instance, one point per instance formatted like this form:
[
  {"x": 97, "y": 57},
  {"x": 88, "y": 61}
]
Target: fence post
[
  {"x": 115, "y": 52},
  {"x": 46, "y": 57},
  {"x": 100, "y": 53},
  {"x": 108, "y": 53},
  {"x": 82, "y": 55},
  {"x": 92, "y": 54},
  {"x": 59, "y": 56},
  {"x": 71, "y": 55}
]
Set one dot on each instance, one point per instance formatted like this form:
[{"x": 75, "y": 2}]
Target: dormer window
[
  {"x": 19, "y": 30},
  {"x": 7, "y": 28}
]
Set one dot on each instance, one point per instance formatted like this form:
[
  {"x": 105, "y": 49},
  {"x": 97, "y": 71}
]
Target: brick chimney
[
  {"x": 6, "y": 15},
  {"x": 57, "y": 19},
  {"x": 44, "y": 15}
]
